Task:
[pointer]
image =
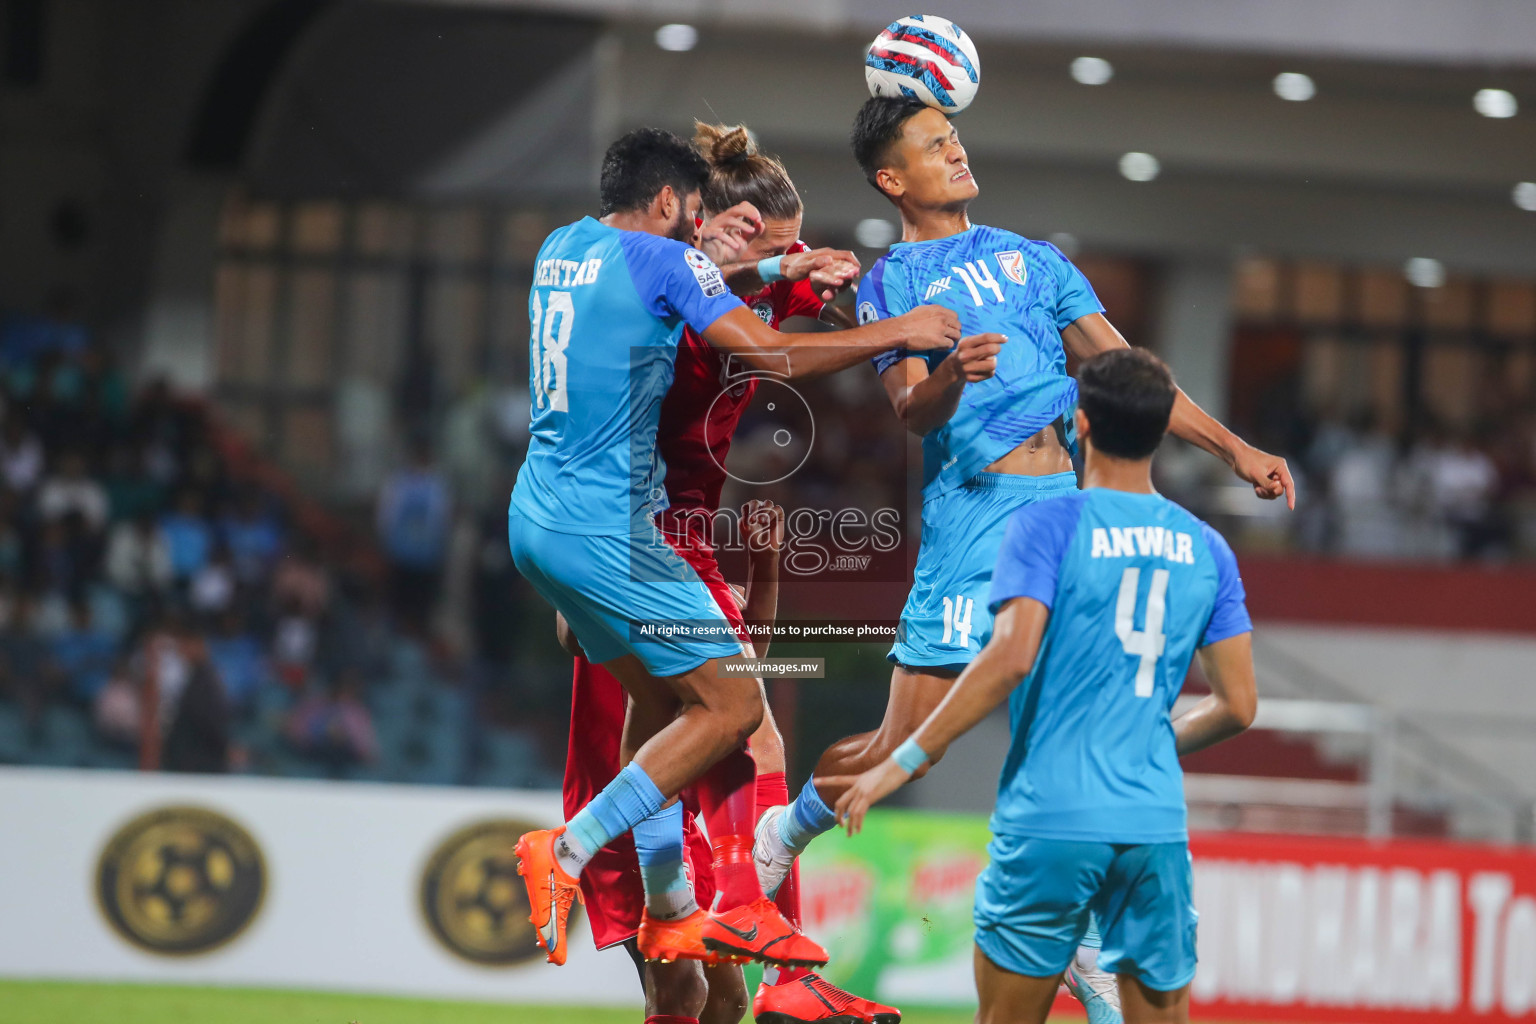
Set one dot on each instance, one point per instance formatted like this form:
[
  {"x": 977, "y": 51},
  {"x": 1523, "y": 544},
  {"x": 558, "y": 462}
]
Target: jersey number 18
[{"x": 549, "y": 348}]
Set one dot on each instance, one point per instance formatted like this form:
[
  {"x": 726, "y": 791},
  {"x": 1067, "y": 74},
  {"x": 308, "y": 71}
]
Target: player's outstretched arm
[
  {"x": 1233, "y": 701},
  {"x": 740, "y": 333},
  {"x": 762, "y": 524},
  {"x": 830, "y": 272},
  {"x": 1270, "y": 476},
  {"x": 985, "y": 683},
  {"x": 725, "y": 237},
  {"x": 925, "y": 401}
]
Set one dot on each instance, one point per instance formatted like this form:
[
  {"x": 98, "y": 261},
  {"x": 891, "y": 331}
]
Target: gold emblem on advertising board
[
  {"x": 473, "y": 898},
  {"x": 180, "y": 880}
]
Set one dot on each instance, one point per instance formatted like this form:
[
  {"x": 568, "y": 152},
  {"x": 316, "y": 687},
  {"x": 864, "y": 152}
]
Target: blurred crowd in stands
[
  {"x": 1436, "y": 493},
  {"x": 169, "y": 599},
  {"x": 163, "y": 603},
  {"x": 1441, "y": 493}
]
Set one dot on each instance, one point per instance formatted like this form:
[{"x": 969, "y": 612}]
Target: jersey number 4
[
  {"x": 1148, "y": 642},
  {"x": 548, "y": 363}
]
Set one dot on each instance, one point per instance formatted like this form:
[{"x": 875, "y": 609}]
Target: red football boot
[
  {"x": 813, "y": 998},
  {"x": 759, "y": 932},
  {"x": 678, "y": 939}
]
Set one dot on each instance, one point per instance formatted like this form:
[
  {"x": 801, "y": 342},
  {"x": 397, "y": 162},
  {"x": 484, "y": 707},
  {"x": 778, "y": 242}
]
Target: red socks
[
  {"x": 668, "y": 1018},
  {"x": 728, "y": 799},
  {"x": 773, "y": 791}
]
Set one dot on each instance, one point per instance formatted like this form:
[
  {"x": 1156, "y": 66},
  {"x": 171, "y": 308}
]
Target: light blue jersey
[
  {"x": 1134, "y": 584},
  {"x": 605, "y": 314},
  {"x": 606, "y": 311},
  {"x": 996, "y": 281}
]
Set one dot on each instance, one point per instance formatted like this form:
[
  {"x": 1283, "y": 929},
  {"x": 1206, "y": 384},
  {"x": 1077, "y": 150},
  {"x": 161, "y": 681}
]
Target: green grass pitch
[{"x": 77, "y": 1003}]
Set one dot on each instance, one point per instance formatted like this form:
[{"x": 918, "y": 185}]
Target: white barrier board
[{"x": 197, "y": 879}]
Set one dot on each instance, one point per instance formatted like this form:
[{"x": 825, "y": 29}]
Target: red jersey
[{"x": 708, "y": 395}]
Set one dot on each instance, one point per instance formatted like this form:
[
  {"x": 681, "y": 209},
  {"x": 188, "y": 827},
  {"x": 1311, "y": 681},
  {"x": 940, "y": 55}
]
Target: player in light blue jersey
[
  {"x": 1102, "y": 597},
  {"x": 994, "y": 414},
  {"x": 609, "y": 302}
]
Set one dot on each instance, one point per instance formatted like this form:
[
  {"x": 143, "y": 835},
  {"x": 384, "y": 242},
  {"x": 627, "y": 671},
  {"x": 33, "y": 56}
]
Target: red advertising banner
[{"x": 1363, "y": 932}]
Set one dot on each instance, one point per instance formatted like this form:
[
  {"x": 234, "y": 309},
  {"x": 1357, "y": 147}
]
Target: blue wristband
[
  {"x": 910, "y": 756},
  {"x": 768, "y": 269}
]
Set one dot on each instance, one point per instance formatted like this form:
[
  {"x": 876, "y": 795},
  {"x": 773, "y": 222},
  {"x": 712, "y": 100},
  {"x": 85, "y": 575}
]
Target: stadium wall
[
  {"x": 411, "y": 890},
  {"x": 371, "y": 888},
  {"x": 1291, "y": 928}
]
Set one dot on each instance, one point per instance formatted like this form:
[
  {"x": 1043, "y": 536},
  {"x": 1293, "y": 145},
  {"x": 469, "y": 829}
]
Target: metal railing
[{"x": 1407, "y": 765}]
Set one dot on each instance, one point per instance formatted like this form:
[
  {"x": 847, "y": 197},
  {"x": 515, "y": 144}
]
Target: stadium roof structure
[{"x": 1467, "y": 31}]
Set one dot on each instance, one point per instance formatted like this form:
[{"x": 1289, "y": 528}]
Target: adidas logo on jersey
[{"x": 941, "y": 285}]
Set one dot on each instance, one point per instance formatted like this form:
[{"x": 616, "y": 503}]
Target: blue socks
[
  {"x": 805, "y": 819},
  {"x": 659, "y": 844},
  {"x": 625, "y": 802}
]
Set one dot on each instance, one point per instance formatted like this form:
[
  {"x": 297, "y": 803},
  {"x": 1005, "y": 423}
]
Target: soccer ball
[{"x": 926, "y": 58}]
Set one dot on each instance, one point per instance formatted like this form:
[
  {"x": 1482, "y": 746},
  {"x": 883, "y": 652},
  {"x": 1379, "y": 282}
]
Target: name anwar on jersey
[
  {"x": 1145, "y": 541},
  {"x": 566, "y": 273}
]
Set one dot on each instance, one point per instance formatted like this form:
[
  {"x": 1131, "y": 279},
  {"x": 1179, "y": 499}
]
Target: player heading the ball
[{"x": 995, "y": 416}]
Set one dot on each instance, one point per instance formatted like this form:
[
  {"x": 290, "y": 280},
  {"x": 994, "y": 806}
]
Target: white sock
[
  {"x": 570, "y": 854},
  {"x": 773, "y": 857},
  {"x": 1088, "y": 958},
  {"x": 670, "y": 903}
]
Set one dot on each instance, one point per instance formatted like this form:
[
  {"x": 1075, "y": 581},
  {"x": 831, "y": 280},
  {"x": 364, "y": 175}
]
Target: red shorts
[
  {"x": 610, "y": 883},
  {"x": 696, "y": 551}
]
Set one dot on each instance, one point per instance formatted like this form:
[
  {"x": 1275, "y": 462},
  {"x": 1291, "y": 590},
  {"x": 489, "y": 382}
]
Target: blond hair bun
[{"x": 723, "y": 145}]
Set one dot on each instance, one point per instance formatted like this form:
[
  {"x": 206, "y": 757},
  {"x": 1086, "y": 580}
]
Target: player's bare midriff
[{"x": 1039, "y": 455}]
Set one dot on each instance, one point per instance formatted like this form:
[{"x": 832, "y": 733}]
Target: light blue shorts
[
  {"x": 1034, "y": 898},
  {"x": 624, "y": 594},
  {"x": 945, "y": 622}
]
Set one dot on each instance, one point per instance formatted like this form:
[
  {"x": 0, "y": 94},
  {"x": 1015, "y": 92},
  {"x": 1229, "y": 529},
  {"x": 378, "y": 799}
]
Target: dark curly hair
[
  {"x": 1127, "y": 395},
  {"x": 644, "y": 161},
  {"x": 876, "y": 128}
]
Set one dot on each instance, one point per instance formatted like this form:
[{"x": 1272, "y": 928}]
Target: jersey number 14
[
  {"x": 1148, "y": 642},
  {"x": 977, "y": 276},
  {"x": 548, "y": 362}
]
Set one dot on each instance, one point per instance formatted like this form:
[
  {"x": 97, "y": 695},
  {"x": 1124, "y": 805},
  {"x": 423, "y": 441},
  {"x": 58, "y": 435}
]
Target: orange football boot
[
  {"x": 759, "y": 932},
  {"x": 550, "y": 889},
  {"x": 814, "y": 999},
  {"x": 681, "y": 938}
]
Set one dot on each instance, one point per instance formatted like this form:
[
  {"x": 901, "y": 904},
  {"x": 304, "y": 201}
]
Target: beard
[{"x": 682, "y": 228}]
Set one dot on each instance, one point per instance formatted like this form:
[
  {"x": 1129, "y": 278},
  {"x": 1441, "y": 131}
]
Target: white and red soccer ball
[{"x": 925, "y": 58}]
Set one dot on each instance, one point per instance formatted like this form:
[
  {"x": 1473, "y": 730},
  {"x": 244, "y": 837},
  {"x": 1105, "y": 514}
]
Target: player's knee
[
  {"x": 742, "y": 706},
  {"x": 727, "y": 1000},
  {"x": 768, "y": 745}
]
